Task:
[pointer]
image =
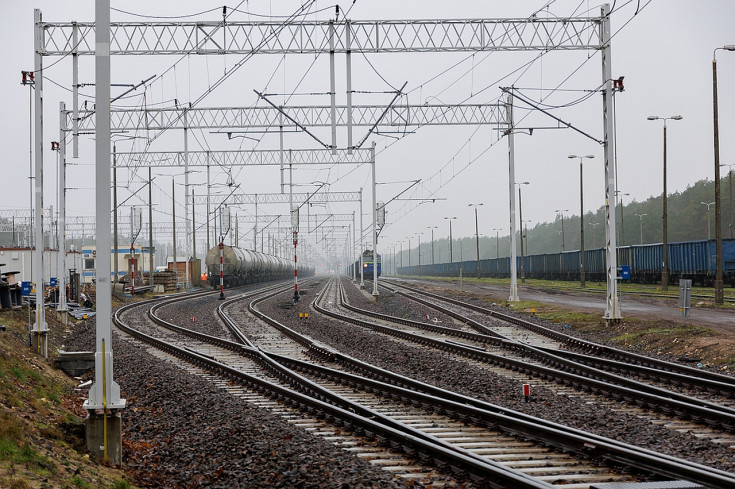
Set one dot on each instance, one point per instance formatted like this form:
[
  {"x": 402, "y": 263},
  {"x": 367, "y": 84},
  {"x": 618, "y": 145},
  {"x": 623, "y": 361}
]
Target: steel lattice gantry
[
  {"x": 223, "y": 37},
  {"x": 241, "y": 158},
  {"x": 279, "y": 198},
  {"x": 313, "y": 37},
  {"x": 266, "y": 117},
  {"x": 379, "y": 36}
]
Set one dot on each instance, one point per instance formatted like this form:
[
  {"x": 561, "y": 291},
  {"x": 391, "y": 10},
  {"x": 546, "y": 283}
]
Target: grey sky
[{"x": 664, "y": 52}]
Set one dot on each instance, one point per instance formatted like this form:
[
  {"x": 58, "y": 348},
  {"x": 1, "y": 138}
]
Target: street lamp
[
  {"x": 477, "y": 237},
  {"x": 622, "y": 220},
  {"x": 665, "y": 254},
  {"x": 561, "y": 213},
  {"x": 708, "y": 223},
  {"x": 731, "y": 232},
  {"x": 520, "y": 218},
  {"x": 581, "y": 217},
  {"x": 418, "y": 235},
  {"x": 640, "y": 216},
  {"x": 432, "y": 246},
  {"x": 594, "y": 235},
  {"x": 497, "y": 242},
  {"x": 719, "y": 292},
  {"x": 451, "y": 261}
]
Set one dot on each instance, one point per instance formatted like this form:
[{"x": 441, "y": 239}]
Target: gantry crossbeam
[
  {"x": 316, "y": 116},
  {"x": 279, "y": 198},
  {"x": 242, "y": 158},
  {"x": 367, "y": 36}
]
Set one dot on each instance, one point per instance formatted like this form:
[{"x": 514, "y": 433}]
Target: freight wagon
[{"x": 693, "y": 260}]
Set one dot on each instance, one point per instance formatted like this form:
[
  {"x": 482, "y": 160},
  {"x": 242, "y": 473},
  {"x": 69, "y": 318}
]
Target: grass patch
[
  {"x": 681, "y": 331},
  {"x": 14, "y": 483},
  {"x": 121, "y": 484},
  {"x": 77, "y": 481}
]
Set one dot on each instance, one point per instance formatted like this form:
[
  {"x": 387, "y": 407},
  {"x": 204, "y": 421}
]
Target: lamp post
[
  {"x": 708, "y": 221},
  {"x": 561, "y": 213},
  {"x": 477, "y": 238},
  {"x": 497, "y": 242},
  {"x": 731, "y": 233},
  {"x": 622, "y": 220},
  {"x": 665, "y": 254},
  {"x": 719, "y": 292},
  {"x": 451, "y": 261},
  {"x": 594, "y": 235},
  {"x": 520, "y": 218},
  {"x": 418, "y": 236},
  {"x": 581, "y": 217},
  {"x": 432, "y": 247},
  {"x": 640, "y": 216},
  {"x": 409, "y": 251}
]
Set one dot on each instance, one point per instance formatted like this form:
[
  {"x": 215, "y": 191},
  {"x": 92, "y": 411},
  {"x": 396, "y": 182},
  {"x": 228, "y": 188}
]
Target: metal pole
[
  {"x": 581, "y": 225},
  {"x": 150, "y": 228},
  {"x": 40, "y": 328},
  {"x": 719, "y": 292},
  {"x": 332, "y": 88},
  {"x": 194, "y": 228},
  {"x": 665, "y": 213},
  {"x": 729, "y": 180},
  {"x": 359, "y": 249},
  {"x": 187, "y": 260},
  {"x": 75, "y": 90},
  {"x": 209, "y": 214},
  {"x": 520, "y": 217},
  {"x": 62, "y": 213},
  {"x": 612, "y": 308},
  {"x": 104, "y": 393},
  {"x": 348, "y": 67},
  {"x": 512, "y": 195},
  {"x": 477, "y": 240},
  {"x": 173, "y": 218},
  {"x": 114, "y": 215},
  {"x": 375, "y": 228},
  {"x": 221, "y": 268}
]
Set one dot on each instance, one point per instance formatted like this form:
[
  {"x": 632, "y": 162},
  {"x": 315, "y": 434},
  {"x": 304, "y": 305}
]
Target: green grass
[
  {"x": 121, "y": 484},
  {"x": 77, "y": 481},
  {"x": 683, "y": 331}
]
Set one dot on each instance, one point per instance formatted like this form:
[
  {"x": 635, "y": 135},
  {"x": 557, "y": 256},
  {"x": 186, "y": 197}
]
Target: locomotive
[
  {"x": 367, "y": 265},
  {"x": 243, "y": 266}
]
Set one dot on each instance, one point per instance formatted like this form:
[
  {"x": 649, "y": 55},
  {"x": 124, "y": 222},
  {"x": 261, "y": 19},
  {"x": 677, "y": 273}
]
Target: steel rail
[
  {"x": 478, "y": 468},
  {"x": 577, "y": 375},
  {"x": 493, "y": 416},
  {"x": 589, "y": 346},
  {"x": 482, "y": 472}
]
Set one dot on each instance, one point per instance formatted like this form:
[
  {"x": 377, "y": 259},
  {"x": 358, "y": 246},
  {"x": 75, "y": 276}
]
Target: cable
[{"x": 164, "y": 17}]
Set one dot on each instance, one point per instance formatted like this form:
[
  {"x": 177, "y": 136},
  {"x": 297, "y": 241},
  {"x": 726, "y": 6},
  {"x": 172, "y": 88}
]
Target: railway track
[
  {"x": 693, "y": 415},
  {"x": 595, "y": 355},
  {"x": 546, "y": 465}
]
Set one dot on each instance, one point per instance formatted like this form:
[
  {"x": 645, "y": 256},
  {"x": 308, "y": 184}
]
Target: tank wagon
[{"x": 243, "y": 266}]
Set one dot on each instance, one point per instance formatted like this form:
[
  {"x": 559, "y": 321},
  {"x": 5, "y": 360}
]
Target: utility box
[
  {"x": 625, "y": 272},
  {"x": 685, "y": 297}
]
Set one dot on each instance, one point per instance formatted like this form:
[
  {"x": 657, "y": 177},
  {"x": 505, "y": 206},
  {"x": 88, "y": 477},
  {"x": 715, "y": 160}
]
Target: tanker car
[{"x": 247, "y": 266}]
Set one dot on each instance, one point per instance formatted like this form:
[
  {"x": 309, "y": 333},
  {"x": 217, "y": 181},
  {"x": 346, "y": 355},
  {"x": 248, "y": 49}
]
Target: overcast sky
[{"x": 664, "y": 52}]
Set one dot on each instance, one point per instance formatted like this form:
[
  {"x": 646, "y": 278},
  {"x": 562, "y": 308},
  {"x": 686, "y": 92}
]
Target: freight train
[
  {"x": 246, "y": 267},
  {"x": 693, "y": 260},
  {"x": 367, "y": 266}
]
